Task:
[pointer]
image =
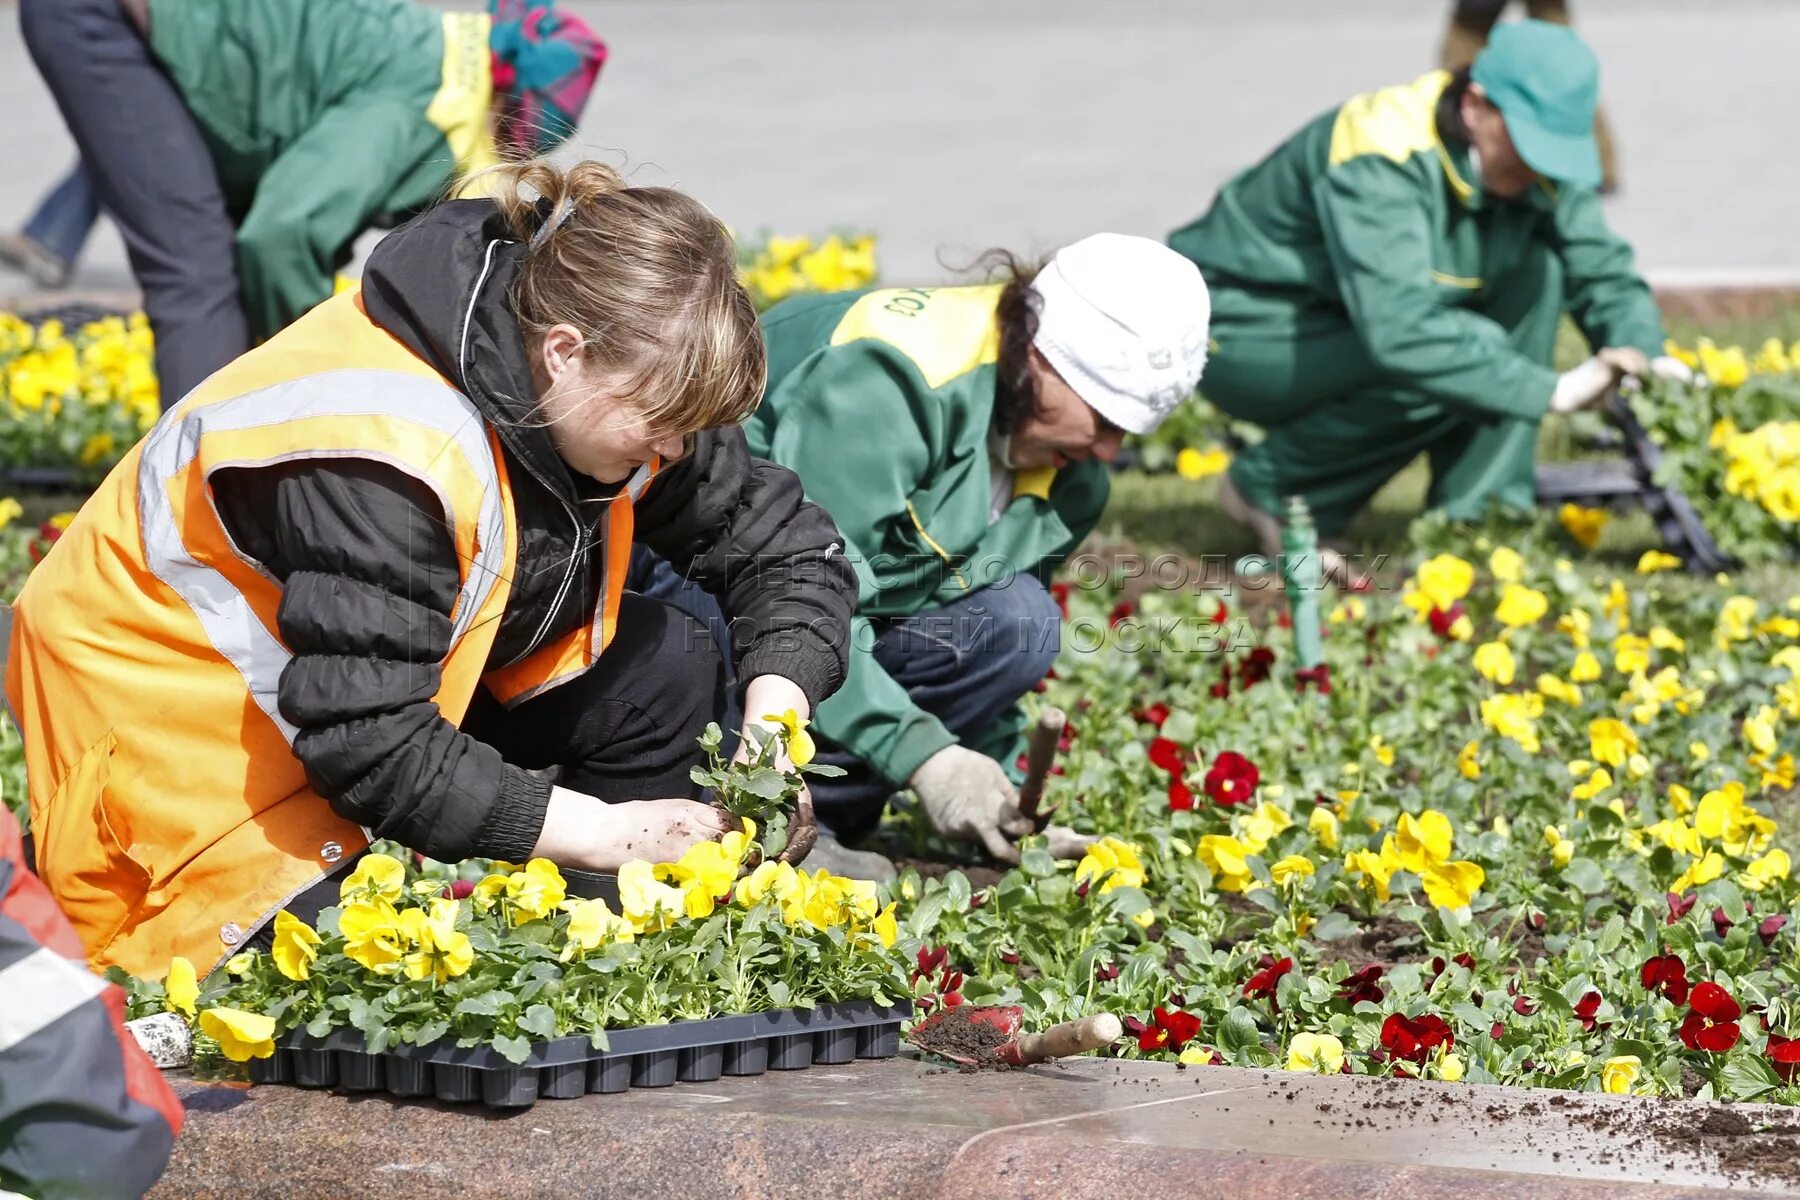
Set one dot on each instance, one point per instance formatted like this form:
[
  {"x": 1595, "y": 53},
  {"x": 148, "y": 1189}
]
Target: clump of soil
[
  {"x": 1742, "y": 1148},
  {"x": 975, "y": 1044}
]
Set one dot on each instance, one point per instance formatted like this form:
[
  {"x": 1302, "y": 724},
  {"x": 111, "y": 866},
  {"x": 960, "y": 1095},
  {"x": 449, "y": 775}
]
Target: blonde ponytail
[{"x": 649, "y": 276}]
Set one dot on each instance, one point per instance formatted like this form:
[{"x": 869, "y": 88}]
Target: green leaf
[
  {"x": 1238, "y": 1031},
  {"x": 780, "y": 995},
  {"x": 488, "y": 1004},
  {"x": 539, "y": 1019},
  {"x": 429, "y": 1032},
  {"x": 765, "y": 783},
  {"x": 1585, "y": 873},
  {"x": 1335, "y": 926},
  {"x": 514, "y": 1050}
]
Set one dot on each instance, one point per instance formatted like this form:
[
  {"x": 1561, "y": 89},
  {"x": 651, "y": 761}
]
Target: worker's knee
[{"x": 1015, "y": 634}]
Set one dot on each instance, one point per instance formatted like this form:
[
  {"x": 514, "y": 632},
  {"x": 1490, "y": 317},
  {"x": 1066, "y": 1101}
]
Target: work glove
[
  {"x": 1583, "y": 386},
  {"x": 1664, "y": 367},
  {"x": 968, "y": 797}
]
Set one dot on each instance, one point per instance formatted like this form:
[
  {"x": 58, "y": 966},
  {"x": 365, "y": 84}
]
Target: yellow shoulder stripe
[
  {"x": 1395, "y": 122},
  {"x": 946, "y": 332},
  {"x": 460, "y": 108},
  {"x": 1033, "y": 481}
]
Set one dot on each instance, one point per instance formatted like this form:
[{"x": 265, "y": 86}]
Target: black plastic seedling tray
[{"x": 787, "y": 1039}]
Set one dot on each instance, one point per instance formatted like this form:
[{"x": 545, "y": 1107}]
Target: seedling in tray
[{"x": 760, "y": 785}]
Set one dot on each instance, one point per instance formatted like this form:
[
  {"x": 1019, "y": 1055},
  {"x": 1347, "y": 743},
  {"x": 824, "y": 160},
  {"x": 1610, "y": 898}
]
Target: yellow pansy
[
  {"x": 535, "y": 892},
  {"x": 239, "y": 964},
  {"x": 1323, "y": 824},
  {"x": 1583, "y": 524},
  {"x": 1424, "y": 839},
  {"x": 1664, "y": 638},
  {"x": 1637, "y": 766},
  {"x": 1375, "y": 869},
  {"x": 704, "y": 873},
  {"x": 1450, "y": 1067},
  {"x": 1561, "y": 848},
  {"x": 1759, "y": 729},
  {"x": 1768, "y": 869},
  {"x": 1384, "y": 753},
  {"x": 779, "y": 881},
  {"x": 1576, "y": 623},
  {"x": 886, "y": 927},
  {"x": 1777, "y": 775},
  {"x": 10, "y": 511},
  {"x": 1452, "y": 884},
  {"x": 1586, "y": 668},
  {"x": 182, "y": 986},
  {"x": 1445, "y": 579},
  {"x": 1617, "y": 604},
  {"x": 1680, "y": 799},
  {"x": 1506, "y": 564},
  {"x": 1494, "y": 660},
  {"x": 1514, "y": 715},
  {"x": 1294, "y": 866},
  {"x": 1611, "y": 741},
  {"x": 1521, "y": 606},
  {"x": 1350, "y": 608},
  {"x": 1653, "y": 561},
  {"x": 646, "y": 903},
  {"x": 1734, "y": 623},
  {"x": 372, "y": 935},
  {"x": 1553, "y": 688},
  {"x": 1195, "y": 465},
  {"x": 296, "y": 946},
  {"x": 1724, "y": 817},
  {"x": 1619, "y": 1073},
  {"x": 1631, "y": 654},
  {"x": 1678, "y": 836},
  {"x": 1788, "y": 658},
  {"x": 241, "y": 1035},
  {"x": 1224, "y": 857},
  {"x": 1319, "y": 1053},
  {"x": 1468, "y": 761},
  {"x": 591, "y": 925},
  {"x": 1700, "y": 872},
  {"x": 1113, "y": 861},
  {"x": 377, "y": 876},
  {"x": 440, "y": 951},
  {"x": 1257, "y": 829},
  {"x": 1596, "y": 782},
  {"x": 800, "y": 746}
]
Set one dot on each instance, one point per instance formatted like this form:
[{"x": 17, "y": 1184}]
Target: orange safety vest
[{"x": 170, "y": 813}]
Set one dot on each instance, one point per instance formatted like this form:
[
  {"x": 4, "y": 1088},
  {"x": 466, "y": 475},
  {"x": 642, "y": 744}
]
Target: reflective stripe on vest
[
  {"x": 564, "y": 658},
  {"x": 231, "y": 623}
]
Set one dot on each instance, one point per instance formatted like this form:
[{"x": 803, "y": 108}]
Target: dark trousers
[
  {"x": 966, "y": 663},
  {"x": 626, "y": 729},
  {"x": 153, "y": 174}
]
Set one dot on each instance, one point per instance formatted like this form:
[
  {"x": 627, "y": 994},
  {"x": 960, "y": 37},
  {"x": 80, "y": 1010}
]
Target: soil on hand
[{"x": 955, "y": 1036}]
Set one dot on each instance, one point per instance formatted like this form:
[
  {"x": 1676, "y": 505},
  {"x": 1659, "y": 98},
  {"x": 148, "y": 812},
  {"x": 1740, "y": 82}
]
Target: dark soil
[
  {"x": 1527, "y": 943},
  {"x": 1383, "y": 940},
  {"x": 1742, "y": 1148},
  {"x": 955, "y": 1036},
  {"x": 979, "y": 877}
]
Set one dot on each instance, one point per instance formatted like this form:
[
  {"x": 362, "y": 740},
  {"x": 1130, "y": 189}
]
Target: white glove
[
  {"x": 968, "y": 797},
  {"x": 1063, "y": 842},
  {"x": 1664, "y": 367},
  {"x": 1582, "y": 386}
]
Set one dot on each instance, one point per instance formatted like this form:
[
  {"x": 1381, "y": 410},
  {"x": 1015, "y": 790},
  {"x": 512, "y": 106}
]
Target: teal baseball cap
[{"x": 1546, "y": 83}]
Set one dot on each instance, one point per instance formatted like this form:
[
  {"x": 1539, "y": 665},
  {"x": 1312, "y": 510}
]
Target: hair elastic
[{"x": 557, "y": 216}]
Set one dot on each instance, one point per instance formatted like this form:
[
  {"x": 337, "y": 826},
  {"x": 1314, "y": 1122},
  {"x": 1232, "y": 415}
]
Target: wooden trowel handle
[
  {"x": 1040, "y": 756},
  {"x": 1071, "y": 1037}
]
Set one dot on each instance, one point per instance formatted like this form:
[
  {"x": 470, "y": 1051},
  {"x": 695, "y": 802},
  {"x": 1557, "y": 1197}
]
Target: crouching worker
[
  {"x": 1389, "y": 283},
  {"x": 367, "y": 580},
  {"x": 959, "y": 437}
]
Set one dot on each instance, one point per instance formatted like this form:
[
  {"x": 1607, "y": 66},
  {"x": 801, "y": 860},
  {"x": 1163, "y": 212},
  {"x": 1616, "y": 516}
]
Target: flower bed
[
  {"x": 76, "y": 400},
  {"x": 1517, "y": 833}
]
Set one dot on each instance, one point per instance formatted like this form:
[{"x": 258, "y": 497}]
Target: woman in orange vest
[{"x": 367, "y": 580}]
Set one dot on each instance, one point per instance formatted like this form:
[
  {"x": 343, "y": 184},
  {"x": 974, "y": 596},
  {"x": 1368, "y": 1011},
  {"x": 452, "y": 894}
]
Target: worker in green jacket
[
  {"x": 959, "y": 437},
  {"x": 242, "y": 146},
  {"x": 1389, "y": 282}
]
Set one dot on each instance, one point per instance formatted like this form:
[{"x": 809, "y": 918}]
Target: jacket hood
[{"x": 442, "y": 284}]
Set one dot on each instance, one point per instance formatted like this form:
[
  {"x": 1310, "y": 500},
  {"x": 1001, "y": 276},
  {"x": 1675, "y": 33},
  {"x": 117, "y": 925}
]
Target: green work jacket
[
  {"x": 881, "y": 402},
  {"x": 1367, "y": 209},
  {"x": 324, "y": 120}
]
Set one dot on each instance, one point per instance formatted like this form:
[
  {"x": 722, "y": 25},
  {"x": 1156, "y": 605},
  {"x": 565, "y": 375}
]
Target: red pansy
[
  {"x": 1168, "y": 755},
  {"x": 1666, "y": 974},
  {"x": 1168, "y": 1030},
  {"x": 1060, "y": 592},
  {"x": 1232, "y": 778},
  {"x": 1679, "y": 906},
  {"x": 1414, "y": 1038},
  {"x": 1523, "y": 1007},
  {"x": 1711, "y": 1023},
  {"x": 1721, "y": 922},
  {"x": 1586, "y": 1007},
  {"x": 1318, "y": 678},
  {"x": 1120, "y": 612},
  {"x": 1262, "y": 984},
  {"x": 1181, "y": 797},
  {"x": 1363, "y": 985},
  {"x": 1257, "y": 663},
  {"x": 1155, "y": 715},
  {"x": 1771, "y": 926},
  {"x": 1784, "y": 1056}
]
